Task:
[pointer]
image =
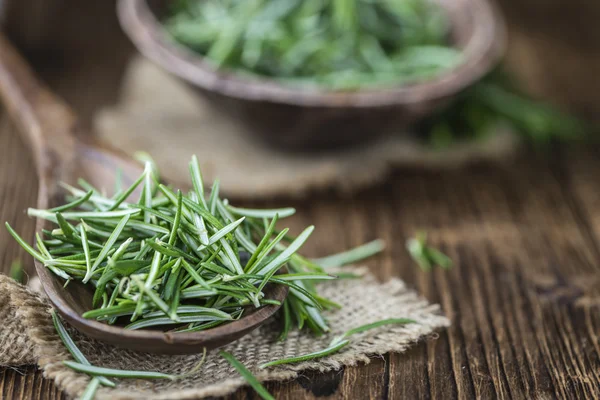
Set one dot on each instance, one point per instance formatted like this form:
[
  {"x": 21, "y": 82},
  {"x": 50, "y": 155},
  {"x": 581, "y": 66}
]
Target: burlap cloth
[
  {"x": 160, "y": 115},
  {"x": 27, "y": 336}
]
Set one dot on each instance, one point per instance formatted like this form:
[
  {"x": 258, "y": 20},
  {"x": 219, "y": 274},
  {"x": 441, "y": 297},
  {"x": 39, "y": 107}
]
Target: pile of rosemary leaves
[
  {"x": 339, "y": 45},
  {"x": 188, "y": 261}
]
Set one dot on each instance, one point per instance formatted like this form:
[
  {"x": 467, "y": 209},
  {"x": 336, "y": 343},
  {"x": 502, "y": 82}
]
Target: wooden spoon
[{"x": 62, "y": 154}]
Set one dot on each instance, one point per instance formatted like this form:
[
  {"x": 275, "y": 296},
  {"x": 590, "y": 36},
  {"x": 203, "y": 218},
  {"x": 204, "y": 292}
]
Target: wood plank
[
  {"x": 519, "y": 330},
  {"x": 522, "y": 298},
  {"x": 18, "y": 190}
]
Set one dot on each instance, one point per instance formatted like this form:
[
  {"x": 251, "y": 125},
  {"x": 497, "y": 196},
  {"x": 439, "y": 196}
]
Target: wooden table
[{"x": 523, "y": 297}]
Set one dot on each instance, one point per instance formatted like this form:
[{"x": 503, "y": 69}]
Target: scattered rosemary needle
[
  {"x": 425, "y": 256},
  {"x": 16, "y": 271},
  {"x": 331, "y": 349},
  {"x": 73, "y": 349},
  {"x": 90, "y": 390},
  {"x": 247, "y": 375},
  {"x": 338, "y": 342},
  {"x": 117, "y": 373},
  {"x": 351, "y": 256}
]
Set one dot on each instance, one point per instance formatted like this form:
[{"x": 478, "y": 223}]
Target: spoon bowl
[{"x": 62, "y": 153}]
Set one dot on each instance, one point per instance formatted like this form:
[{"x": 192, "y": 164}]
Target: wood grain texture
[{"x": 524, "y": 296}]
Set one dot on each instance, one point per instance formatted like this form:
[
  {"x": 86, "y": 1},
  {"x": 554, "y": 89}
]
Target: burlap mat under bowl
[
  {"x": 28, "y": 336},
  {"x": 160, "y": 115}
]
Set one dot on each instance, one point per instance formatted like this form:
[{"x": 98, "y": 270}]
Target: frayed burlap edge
[
  {"x": 44, "y": 345},
  {"x": 32, "y": 311},
  {"x": 292, "y": 371}
]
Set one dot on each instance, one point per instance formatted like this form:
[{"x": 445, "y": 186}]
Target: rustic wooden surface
[{"x": 524, "y": 296}]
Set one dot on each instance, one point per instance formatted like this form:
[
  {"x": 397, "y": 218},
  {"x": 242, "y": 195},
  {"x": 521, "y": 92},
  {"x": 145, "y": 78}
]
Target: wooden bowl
[{"x": 302, "y": 118}]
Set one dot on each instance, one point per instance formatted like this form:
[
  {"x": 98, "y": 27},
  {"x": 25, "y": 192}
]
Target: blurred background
[
  {"x": 551, "y": 57},
  {"x": 553, "y": 48},
  {"x": 523, "y": 235}
]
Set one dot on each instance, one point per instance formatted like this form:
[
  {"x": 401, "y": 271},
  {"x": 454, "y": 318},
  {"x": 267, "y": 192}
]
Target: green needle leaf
[
  {"x": 352, "y": 256},
  {"x": 287, "y": 253},
  {"x": 90, "y": 390},
  {"x": 123, "y": 196},
  {"x": 107, "y": 247},
  {"x": 246, "y": 212},
  {"x": 24, "y": 244},
  {"x": 311, "y": 356},
  {"x": 73, "y": 349},
  {"x": 373, "y": 325},
  {"x": 197, "y": 180},
  {"x": 247, "y": 375},
  {"x": 116, "y": 373},
  {"x": 221, "y": 233},
  {"x": 32, "y": 212},
  {"x": 177, "y": 221},
  {"x": 86, "y": 249},
  {"x": 73, "y": 204}
]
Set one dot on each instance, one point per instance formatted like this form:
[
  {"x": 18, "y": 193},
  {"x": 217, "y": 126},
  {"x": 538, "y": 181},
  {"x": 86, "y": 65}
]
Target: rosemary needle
[
  {"x": 24, "y": 244},
  {"x": 117, "y": 373},
  {"x": 74, "y": 204},
  {"x": 73, "y": 349},
  {"x": 351, "y": 256},
  {"x": 338, "y": 342},
  {"x": 373, "y": 325},
  {"x": 90, "y": 390},
  {"x": 247, "y": 375},
  {"x": 311, "y": 356},
  {"x": 426, "y": 256}
]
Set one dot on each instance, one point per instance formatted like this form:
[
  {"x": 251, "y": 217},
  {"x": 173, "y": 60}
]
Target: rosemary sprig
[
  {"x": 73, "y": 349},
  {"x": 351, "y": 256},
  {"x": 338, "y": 342},
  {"x": 16, "y": 271},
  {"x": 426, "y": 256}
]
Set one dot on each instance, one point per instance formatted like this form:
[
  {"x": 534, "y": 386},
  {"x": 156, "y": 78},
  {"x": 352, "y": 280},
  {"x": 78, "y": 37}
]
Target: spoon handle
[{"x": 46, "y": 122}]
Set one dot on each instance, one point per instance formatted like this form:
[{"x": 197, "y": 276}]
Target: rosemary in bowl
[
  {"x": 338, "y": 45},
  {"x": 187, "y": 262}
]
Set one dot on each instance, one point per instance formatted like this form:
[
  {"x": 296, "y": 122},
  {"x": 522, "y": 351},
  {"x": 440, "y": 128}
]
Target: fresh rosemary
[
  {"x": 341, "y": 44},
  {"x": 185, "y": 261},
  {"x": 495, "y": 103},
  {"x": 247, "y": 375},
  {"x": 189, "y": 261},
  {"x": 426, "y": 256}
]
